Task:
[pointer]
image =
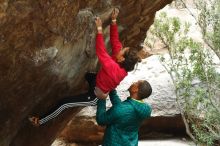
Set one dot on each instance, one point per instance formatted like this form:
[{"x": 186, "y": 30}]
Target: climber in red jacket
[{"x": 113, "y": 70}]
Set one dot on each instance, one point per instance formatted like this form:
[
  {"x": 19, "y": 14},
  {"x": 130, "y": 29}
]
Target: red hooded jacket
[{"x": 110, "y": 74}]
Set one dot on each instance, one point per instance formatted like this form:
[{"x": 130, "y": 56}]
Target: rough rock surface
[{"x": 45, "y": 49}]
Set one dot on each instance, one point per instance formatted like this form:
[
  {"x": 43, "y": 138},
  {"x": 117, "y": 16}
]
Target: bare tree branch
[{"x": 179, "y": 106}]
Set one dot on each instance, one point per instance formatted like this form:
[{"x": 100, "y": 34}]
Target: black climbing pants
[{"x": 86, "y": 99}]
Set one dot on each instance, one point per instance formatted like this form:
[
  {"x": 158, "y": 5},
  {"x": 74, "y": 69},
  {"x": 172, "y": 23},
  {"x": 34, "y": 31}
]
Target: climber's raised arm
[
  {"x": 114, "y": 38},
  {"x": 101, "y": 51}
]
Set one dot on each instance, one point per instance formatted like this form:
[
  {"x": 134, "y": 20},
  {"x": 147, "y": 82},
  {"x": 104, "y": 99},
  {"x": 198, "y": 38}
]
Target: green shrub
[{"x": 190, "y": 65}]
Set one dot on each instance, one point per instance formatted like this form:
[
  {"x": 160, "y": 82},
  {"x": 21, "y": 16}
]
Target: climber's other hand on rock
[
  {"x": 114, "y": 14},
  {"x": 98, "y": 23}
]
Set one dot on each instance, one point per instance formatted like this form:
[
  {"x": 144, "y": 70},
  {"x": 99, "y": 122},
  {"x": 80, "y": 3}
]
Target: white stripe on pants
[{"x": 65, "y": 106}]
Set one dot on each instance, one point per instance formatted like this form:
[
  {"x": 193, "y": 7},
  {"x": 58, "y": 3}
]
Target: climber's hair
[
  {"x": 131, "y": 59},
  {"x": 144, "y": 89}
]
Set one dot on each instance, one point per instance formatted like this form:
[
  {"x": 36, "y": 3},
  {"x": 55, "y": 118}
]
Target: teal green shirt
[{"x": 122, "y": 120}]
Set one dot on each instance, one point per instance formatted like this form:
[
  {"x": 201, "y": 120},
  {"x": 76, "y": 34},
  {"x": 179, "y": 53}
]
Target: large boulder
[{"x": 45, "y": 49}]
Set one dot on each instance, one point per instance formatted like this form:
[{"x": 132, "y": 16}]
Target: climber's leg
[
  {"x": 69, "y": 102},
  {"x": 87, "y": 99}
]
